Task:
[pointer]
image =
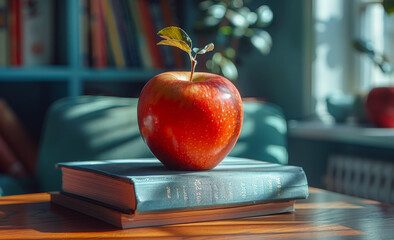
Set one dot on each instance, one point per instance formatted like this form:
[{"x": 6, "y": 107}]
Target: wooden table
[{"x": 323, "y": 215}]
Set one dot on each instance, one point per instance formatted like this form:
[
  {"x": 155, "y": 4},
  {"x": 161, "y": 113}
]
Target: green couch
[{"x": 97, "y": 128}]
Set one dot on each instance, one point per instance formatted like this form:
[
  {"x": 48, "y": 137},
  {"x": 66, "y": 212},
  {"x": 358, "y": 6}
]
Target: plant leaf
[
  {"x": 209, "y": 47},
  {"x": 177, "y": 37},
  {"x": 388, "y": 5},
  {"x": 262, "y": 41}
]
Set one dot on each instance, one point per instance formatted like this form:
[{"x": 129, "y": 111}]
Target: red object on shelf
[
  {"x": 148, "y": 30},
  {"x": 99, "y": 43},
  {"x": 379, "y": 106},
  {"x": 15, "y": 25}
]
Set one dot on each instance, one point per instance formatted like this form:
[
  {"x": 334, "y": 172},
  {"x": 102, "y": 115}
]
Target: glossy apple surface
[
  {"x": 379, "y": 106},
  {"x": 190, "y": 125}
]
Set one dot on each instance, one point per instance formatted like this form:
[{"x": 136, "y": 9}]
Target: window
[{"x": 337, "y": 67}]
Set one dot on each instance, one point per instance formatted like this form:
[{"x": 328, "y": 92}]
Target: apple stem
[{"x": 194, "y": 63}]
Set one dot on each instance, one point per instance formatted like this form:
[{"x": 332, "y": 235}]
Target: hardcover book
[
  {"x": 98, "y": 34},
  {"x": 145, "y": 185},
  {"x": 37, "y": 32},
  {"x": 134, "y": 220},
  {"x": 113, "y": 35},
  {"x": 3, "y": 34}
]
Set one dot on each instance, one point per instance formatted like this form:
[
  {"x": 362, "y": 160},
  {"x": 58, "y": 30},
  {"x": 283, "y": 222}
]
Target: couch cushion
[{"x": 98, "y": 128}]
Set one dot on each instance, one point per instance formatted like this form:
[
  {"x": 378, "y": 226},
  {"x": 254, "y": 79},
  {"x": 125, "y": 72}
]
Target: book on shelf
[
  {"x": 26, "y": 32},
  {"x": 15, "y": 32},
  {"x": 37, "y": 32},
  {"x": 113, "y": 33},
  {"x": 168, "y": 8},
  {"x": 143, "y": 50},
  {"x": 145, "y": 185},
  {"x": 3, "y": 33},
  {"x": 84, "y": 32},
  {"x": 134, "y": 220},
  {"x": 158, "y": 23},
  {"x": 149, "y": 32},
  {"x": 98, "y": 34},
  {"x": 129, "y": 28}
]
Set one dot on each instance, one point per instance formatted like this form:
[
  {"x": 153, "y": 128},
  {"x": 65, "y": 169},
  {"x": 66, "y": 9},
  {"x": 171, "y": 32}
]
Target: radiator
[{"x": 361, "y": 177}]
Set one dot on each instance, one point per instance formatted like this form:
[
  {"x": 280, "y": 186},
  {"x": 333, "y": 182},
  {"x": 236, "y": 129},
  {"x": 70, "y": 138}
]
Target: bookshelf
[
  {"x": 67, "y": 76},
  {"x": 71, "y": 72}
]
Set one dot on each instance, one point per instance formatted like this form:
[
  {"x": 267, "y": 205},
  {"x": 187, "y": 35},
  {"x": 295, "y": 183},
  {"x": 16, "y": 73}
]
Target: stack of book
[
  {"x": 122, "y": 33},
  {"x": 142, "y": 192}
]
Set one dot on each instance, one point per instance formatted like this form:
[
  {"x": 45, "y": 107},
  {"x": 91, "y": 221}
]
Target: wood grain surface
[{"x": 323, "y": 215}]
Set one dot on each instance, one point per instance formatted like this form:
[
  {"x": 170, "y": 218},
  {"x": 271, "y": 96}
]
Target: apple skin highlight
[{"x": 190, "y": 125}]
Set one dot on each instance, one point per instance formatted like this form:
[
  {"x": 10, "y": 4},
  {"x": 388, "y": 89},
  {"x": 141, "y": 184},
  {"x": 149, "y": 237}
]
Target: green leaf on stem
[
  {"x": 177, "y": 37},
  {"x": 209, "y": 47}
]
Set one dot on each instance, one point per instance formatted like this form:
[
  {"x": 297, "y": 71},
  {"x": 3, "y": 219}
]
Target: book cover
[
  {"x": 143, "y": 50},
  {"x": 9, "y": 163},
  {"x": 4, "y": 56},
  {"x": 16, "y": 136},
  {"x": 145, "y": 185},
  {"x": 15, "y": 32},
  {"x": 98, "y": 34},
  {"x": 37, "y": 32},
  {"x": 112, "y": 31},
  {"x": 125, "y": 221}
]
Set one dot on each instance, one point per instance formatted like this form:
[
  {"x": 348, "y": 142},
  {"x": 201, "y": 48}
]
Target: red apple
[
  {"x": 379, "y": 106},
  {"x": 190, "y": 125}
]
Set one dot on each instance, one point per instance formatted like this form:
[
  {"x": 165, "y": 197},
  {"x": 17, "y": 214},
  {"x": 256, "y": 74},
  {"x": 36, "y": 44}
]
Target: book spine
[
  {"x": 158, "y": 24},
  {"x": 15, "y": 32},
  {"x": 98, "y": 38},
  {"x": 177, "y": 192},
  {"x": 3, "y": 34},
  {"x": 17, "y": 137},
  {"x": 170, "y": 20},
  {"x": 121, "y": 27},
  {"x": 9, "y": 163},
  {"x": 37, "y": 27},
  {"x": 143, "y": 50},
  {"x": 148, "y": 30},
  {"x": 131, "y": 35},
  {"x": 113, "y": 33},
  {"x": 84, "y": 36}
]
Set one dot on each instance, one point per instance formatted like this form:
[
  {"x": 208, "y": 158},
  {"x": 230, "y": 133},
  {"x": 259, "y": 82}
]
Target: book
[
  {"x": 158, "y": 20},
  {"x": 167, "y": 10},
  {"x": 134, "y": 220},
  {"x": 143, "y": 50},
  {"x": 3, "y": 33},
  {"x": 121, "y": 26},
  {"x": 148, "y": 29},
  {"x": 98, "y": 34},
  {"x": 17, "y": 137},
  {"x": 15, "y": 32},
  {"x": 131, "y": 35},
  {"x": 84, "y": 32},
  {"x": 113, "y": 35},
  {"x": 38, "y": 32},
  {"x": 145, "y": 185}
]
